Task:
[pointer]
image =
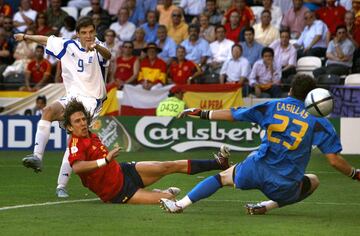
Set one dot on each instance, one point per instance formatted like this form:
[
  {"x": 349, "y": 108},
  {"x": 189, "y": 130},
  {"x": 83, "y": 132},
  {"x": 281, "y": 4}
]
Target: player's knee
[
  {"x": 314, "y": 180},
  {"x": 226, "y": 178}
]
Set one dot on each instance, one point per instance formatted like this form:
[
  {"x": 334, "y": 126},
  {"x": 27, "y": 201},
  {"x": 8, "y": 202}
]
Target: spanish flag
[
  {"x": 213, "y": 96},
  {"x": 111, "y": 104}
]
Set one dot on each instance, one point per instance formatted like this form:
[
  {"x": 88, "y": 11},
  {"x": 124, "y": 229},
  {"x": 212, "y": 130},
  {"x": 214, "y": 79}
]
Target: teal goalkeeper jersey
[{"x": 290, "y": 133}]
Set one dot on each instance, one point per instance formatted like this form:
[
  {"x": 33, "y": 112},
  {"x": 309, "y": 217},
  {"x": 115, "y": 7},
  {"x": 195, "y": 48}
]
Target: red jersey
[
  {"x": 332, "y": 17},
  {"x": 233, "y": 34},
  {"x": 246, "y": 15},
  {"x": 180, "y": 72},
  {"x": 38, "y": 70},
  {"x": 6, "y": 10},
  {"x": 124, "y": 68},
  {"x": 105, "y": 181}
]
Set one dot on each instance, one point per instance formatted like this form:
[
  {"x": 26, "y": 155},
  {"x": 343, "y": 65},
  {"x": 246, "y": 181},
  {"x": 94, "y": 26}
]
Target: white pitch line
[
  {"x": 46, "y": 204},
  {"x": 206, "y": 200}
]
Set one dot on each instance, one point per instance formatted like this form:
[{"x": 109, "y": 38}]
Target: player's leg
[
  {"x": 143, "y": 196},
  {"x": 51, "y": 113},
  {"x": 64, "y": 176},
  {"x": 202, "y": 190},
  {"x": 309, "y": 184},
  {"x": 152, "y": 171}
]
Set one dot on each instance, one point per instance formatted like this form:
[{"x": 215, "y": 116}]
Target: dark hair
[
  {"x": 285, "y": 30},
  {"x": 301, "y": 85},
  {"x": 266, "y": 11},
  {"x": 340, "y": 27},
  {"x": 41, "y": 97},
  {"x": 267, "y": 49},
  {"x": 162, "y": 27},
  {"x": 70, "y": 22},
  {"x": 39, "y": 47},
  {"x": 237, "y": 45},
  {"x": 249, "y": 29},
  {"x": 194, "y": 26},
  {"x": 72, "y": 107},
  {"x": 214, "y": 1},
  {"x": 128, "y": 42},
  {"x": 84, "y": 22},
  {"x": 220, "y": 27},
  {"x": 181, "y": 47}
]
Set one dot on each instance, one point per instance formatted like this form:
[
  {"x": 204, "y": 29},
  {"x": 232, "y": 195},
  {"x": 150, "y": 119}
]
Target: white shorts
[{"x": 92, "y": 105}]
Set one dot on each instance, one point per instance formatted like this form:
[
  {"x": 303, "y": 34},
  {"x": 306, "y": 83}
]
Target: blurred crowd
[{"x": 157, "y": 42}]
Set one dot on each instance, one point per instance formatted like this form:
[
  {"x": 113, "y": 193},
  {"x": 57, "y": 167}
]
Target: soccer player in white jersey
[{"x": 82, "y": 61}]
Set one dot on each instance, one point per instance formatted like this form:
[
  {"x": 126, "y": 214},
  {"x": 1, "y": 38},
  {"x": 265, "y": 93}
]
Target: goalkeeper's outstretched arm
[
  {"x": 207, "y": 114},
  {"x": 40, "y": 39},
  {"x": 343, "y": 166}
]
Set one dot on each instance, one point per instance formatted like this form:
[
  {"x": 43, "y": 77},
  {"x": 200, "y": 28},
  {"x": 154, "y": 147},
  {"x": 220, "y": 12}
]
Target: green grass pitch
[{"x": 334, "y": 209}]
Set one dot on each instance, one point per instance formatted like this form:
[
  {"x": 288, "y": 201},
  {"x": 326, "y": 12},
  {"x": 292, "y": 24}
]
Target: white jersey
[{"x": 81, "y": 70}]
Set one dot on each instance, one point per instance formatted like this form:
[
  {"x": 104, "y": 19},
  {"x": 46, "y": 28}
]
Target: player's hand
[
  {"x": 195, "y": 113},
  {"x": 113, "y": 154},
  {"x": 19, "y": 37}
]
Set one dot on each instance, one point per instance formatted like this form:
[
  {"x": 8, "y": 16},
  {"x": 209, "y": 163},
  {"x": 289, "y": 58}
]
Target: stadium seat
[
  {"x": 85, "y": 11},
  {"x": 352, "y": 79},
  {"x": 306, "y": 65},
  {"x": 71, "y": 11}
]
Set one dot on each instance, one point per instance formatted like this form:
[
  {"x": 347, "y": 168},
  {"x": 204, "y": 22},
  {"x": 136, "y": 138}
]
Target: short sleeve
[
  {"x": 255, "y": 114},
  {"x": 55, "y": 46},
  {"x": 325, "y": 137},
  {"x": 76, "y": 151}
]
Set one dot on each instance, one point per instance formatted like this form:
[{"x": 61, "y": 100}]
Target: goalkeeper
[{"x": 277, "y": 168}]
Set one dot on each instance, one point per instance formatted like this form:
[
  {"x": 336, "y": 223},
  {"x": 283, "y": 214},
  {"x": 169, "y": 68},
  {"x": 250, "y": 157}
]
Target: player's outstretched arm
[
  {"x": 40, "y": 39},
  {"x": 104, "y": 52},
  {"x": 207, "y": 114},
  {"x": 343, "y": 166},
  {"x": 86, "y": 166}
]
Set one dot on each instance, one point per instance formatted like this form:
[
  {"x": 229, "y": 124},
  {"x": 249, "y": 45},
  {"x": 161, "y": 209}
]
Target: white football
[{"x": 319, "y": 102}]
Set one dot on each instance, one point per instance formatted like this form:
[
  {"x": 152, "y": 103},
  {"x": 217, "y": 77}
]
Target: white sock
[
  {"x": 65, "y": 171},
  {"x": 269, "y": 205},
  {"x": 184, "y": 202},
  {"x": 41, "y": 137}
]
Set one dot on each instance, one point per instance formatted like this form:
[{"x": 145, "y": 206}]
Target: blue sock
[{"x": 205, "y": 188}]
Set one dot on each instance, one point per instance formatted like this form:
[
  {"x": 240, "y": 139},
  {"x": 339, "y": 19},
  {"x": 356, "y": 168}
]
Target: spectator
[
  {"x": 96, "y": 9},
  {"x": 68, "y": 30},
  {"x": 276, "y": 14},
  {"x": 285, "y": 55},
  {"x": 149, "y": 5},
  {"x": 9, "y": 31},
  {"x": 173, "y": 105},
  {"x": 284, "y": 5},
  {"x": 235, "y": 69},
  {"x": 213, "y": 12},
  {"x": 312, "y": 41},
  {"x": 114, "y": 47},
  {"x": 136, "y": 12},
  {"x": 331, "y": 15},
  {"x": 265, "y": 33},
  {"x": 25, "y": 17},
  {"x": 113, "y": 6},
  {"x": 5, "y": 9},
  {"x": 265, "y": 76},
  {"x": 177, "y": 30},
  {"x": 247, "y": 15},
  {"x": 40, "y": 104},
  {"x": 198, "y": 49},
  {"x": 224, "y": 5},
  {"x": 339, "y": 54},
  {"x": 124, "y": 29},
  {"x": 55, "y": 17},
  {"x": 192, "y": 9},
  {"x": 182, "y": 71},
  {"x": 139, "y": 43},
  {"x": 220, "y": 50},
  {"x": 152, "y": 69},
  {"x": 99, "y": 26},
  {"x": 24, "y": 52},
  {"x": 127, "y": 66},
  {"x": 6, "y": 50},
  {"x": 39, "y": 5},
  {"x": 37, "y": 72},
  {"x": 234, "y": 27},
  {"x": 353, "y": 32},
  {"x": 167, "y": 45},
  {"x": 165, "y": 12},
  {"x": 41, "y": 27},
  {"x": 150, "y": 27},
  {"x": 294, "y": 19},
  {"x": 207, "y": 31},
  {"x": 251, "y": 48}
]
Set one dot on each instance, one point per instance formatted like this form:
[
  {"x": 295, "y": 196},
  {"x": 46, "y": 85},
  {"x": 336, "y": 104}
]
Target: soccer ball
[{"x": 319, "y": 102}]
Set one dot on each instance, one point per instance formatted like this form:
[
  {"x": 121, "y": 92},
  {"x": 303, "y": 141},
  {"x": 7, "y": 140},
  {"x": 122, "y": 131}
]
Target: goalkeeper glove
[
  {"x": 355, "y": 174},
  {"x": 195, "y": 112}
]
